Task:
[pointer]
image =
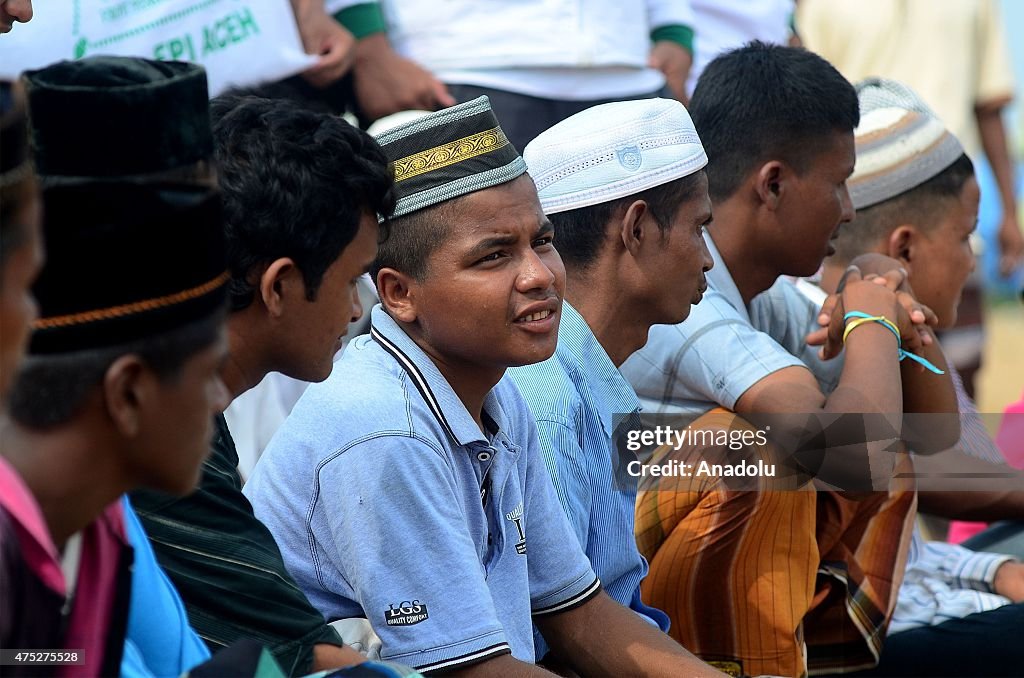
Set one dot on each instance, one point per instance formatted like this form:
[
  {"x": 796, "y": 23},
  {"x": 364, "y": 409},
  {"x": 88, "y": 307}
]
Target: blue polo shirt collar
[
  {"x": 720, "y": 279},
  {"x": 612, "y": 394},
  {"x": 443, "y": 402}
]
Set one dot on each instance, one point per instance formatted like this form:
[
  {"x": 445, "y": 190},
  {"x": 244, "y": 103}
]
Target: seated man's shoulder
[{"x": 547, "y": 389}]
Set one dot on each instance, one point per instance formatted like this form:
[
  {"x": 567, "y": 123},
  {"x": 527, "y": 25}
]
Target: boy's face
[
  {"x": 176, "y": 425},
  {"x": 17, "y": 306},
  {"x": 491, "y": 296},
  {"x": 319, "y": 325},
  {"x": 675, "y": 270},
  {"x": 942, "y": 259},
  {"x": 819, "y": 204}
]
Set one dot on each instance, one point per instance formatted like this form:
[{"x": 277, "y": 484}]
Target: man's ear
[
  {"x": 127, "y": 388},
  {"x": 769, "y": 184},
  {"x": 633, "y": 227},
  {"x": 398, "y": 293},
  {"x": 901, "y": 244},
  {"x": 279, "y": 283}
]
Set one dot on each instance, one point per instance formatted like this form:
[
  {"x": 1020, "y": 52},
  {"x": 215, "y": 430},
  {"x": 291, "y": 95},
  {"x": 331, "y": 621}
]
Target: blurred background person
[
  {"x": 722, "y": 25},
  {"x": 954, "y": 54},
  {"x": 538, "y": 61}
]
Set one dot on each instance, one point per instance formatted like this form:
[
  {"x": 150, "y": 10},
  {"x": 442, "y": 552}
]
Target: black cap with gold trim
[
  {"x": 109, "y": 116},
  {"x": 449, "y": 153},
  {"x": 126, "y": 261}
]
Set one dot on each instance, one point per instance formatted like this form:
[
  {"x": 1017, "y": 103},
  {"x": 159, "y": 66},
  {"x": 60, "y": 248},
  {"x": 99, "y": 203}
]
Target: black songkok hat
[
  {"x": 14, "y": 158},
  {"x": 126, "y": 261},
  {"x": 449, "y": 153},
  {"x": 115, "y": 116}
]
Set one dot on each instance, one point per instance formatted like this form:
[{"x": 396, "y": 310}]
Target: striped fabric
[
  {"x": 769, "y": 581},
  {"x": 734, "y": 570},
  {"x": 576, "y": 396},
  {"x": 863, "y": 544}
]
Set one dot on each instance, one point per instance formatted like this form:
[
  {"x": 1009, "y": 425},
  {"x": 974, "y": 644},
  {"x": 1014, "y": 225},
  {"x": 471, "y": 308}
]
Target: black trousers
[{"x": 982, "y": 644}]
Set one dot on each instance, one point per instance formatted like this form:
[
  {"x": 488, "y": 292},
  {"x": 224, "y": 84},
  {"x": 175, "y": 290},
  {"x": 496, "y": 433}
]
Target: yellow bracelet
[{"x": 854, "y": 324}]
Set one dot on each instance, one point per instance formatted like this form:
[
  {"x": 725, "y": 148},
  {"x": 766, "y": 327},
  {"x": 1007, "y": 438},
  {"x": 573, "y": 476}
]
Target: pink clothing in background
[{"x": 1010, "y": 441}]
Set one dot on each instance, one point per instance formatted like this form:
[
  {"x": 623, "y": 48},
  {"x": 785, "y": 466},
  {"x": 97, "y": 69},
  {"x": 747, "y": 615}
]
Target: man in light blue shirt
[
  {"x": 408, "y": 488},
  {"x": 634, "y": 257}
]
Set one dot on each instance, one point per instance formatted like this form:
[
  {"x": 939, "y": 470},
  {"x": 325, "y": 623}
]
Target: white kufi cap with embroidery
[{"x": 613, "y": 151}]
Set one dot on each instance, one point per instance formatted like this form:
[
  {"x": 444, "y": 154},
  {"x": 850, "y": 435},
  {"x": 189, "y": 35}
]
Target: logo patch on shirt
[
  {"x": 516, "y": 517},
  {"x": 406, "y": 613}
]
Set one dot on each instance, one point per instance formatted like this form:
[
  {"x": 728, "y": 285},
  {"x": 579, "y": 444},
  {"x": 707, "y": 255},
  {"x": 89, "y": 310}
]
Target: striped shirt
[{"x": 577, "y": 396}]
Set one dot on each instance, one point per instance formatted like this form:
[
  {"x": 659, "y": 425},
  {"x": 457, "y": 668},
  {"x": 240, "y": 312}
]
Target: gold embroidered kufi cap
[{"x": 449, "y": 153}]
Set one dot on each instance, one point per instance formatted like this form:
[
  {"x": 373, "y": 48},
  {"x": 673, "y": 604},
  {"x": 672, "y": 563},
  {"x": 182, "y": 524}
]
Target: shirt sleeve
[
  {"x": 360, "y": 18},
  {"x": 995, "y": 75},
  {"x": 158, "y": 625},
  {"x": 714, "y": 356},
  {"x": 228, "y": 568},
  {"x": 399, "y": 537},
  {"x": 561, "y": 577},
  {"x": 960, "y": 567},
  {"x": 559, "y": 443},
  {"x": 670, "y": 13}
]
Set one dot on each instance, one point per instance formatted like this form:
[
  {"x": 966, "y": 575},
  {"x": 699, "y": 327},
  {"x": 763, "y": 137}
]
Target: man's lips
[{"x": 538, "y": 312}]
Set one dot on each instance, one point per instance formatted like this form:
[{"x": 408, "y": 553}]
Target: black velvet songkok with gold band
[
  {"x": 126, "y": 261},
  {"x": 449, "y": 153},
  {"x": 128, "y": 257}
]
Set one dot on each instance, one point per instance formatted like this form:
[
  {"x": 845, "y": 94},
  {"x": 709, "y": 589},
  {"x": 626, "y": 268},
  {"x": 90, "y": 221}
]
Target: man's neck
[
  {"x": 611, "y": 317},
  {"x": 72, "y": 474},
  {"x": 246, "y": 363},
  {"x": 733, "y": 232},
  {"x": 470, "y": 382}
]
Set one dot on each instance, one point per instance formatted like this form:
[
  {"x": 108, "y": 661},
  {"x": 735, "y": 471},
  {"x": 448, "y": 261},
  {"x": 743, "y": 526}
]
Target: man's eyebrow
[
  {"x": 490, "y": 243},
  {"x": 544, "y": 228}
]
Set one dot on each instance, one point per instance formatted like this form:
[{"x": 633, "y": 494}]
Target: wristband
[{"x": 855, "y": 319}]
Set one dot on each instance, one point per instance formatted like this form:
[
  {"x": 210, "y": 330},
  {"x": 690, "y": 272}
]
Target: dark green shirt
[{"x": 227, "y": 567}]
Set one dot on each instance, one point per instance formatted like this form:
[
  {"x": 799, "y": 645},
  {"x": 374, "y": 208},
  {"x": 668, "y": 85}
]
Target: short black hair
[
  {"x": 763, "y": 102},
  {"x": 580, "y": 233},
  {"x": 922, "y": 206},
  {"x": 50, "y": 389},
  {"x": 413, "y": 237},
  {"x": 295, "y": 183}
]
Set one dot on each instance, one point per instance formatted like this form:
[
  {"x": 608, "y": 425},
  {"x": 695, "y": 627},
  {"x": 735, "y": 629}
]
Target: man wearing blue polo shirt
[
  {"x": 630, "y": 227},
  {"x": 408, "y": 488}
]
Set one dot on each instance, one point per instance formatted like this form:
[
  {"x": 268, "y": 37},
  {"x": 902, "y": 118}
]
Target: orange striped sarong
[{"x": 741, "y": 572}]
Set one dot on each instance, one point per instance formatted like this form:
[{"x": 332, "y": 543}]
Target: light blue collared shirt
[
  {"x": 388, "y": 502},
  {"x": 709, "y": 359},
  {"x": 575, "y": 396}
]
